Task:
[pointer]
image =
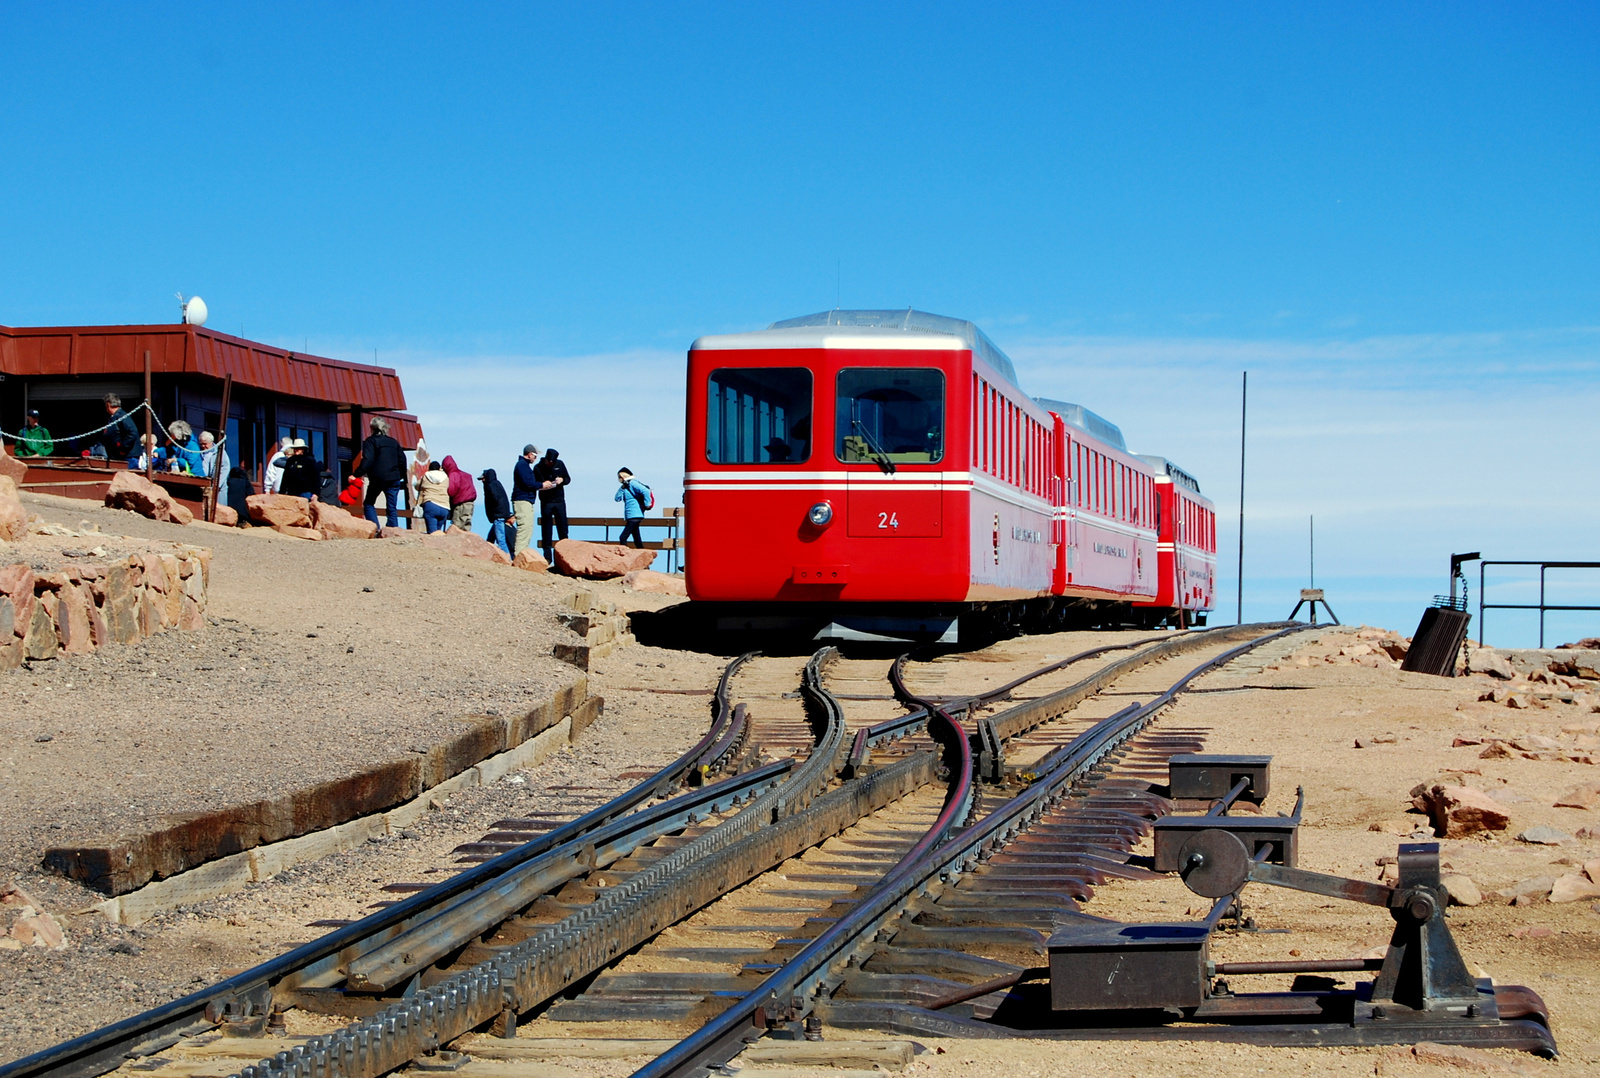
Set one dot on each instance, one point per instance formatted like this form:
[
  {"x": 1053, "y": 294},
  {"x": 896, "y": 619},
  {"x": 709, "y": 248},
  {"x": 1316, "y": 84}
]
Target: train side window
[
  {"x": 758, "y": 415},
  {"x": 890, "y": 414}
]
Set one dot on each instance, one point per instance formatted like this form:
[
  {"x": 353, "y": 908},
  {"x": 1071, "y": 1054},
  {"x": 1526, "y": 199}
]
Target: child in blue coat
[{"x": 634, "y": 496}]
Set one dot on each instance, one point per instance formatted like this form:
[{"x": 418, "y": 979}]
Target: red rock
[
  {"x": 12, "y": 468},
  {"x": 1463, "y": 810},
  {"x": 274, "y": 510},
  {"x": 16, "y": 582},
  {"x": 190, "y": 619},
  {"x": 530, "y": 560},
  {"x": 1462, "y": 742},
  {"x": 465, "y": 543},
  {"x": 297, "y": 531},
  {"x": 1574, "y": 888},
  {"x": 13, "y": 517},
  {"x": 648, "y": 580},
  {"x": 131, "y": 490},
  {"x": 1488, "y": 661},
  {"x": 42, "y": 641},
  {"x": 1496, "y": 751},
  {"x": 72, "y": 614},
  {"x": 39, "y": 930},
  {"x": 1579, "y": 797},
  {"x": 336, "y": 523},
  {"x": 155, "y": 572},
  {"x": 227, "y": 516},
  {"x": 600, "y": 561},
  {"x": 11, "y": 654},
  {"x": 98, "y": 631}
]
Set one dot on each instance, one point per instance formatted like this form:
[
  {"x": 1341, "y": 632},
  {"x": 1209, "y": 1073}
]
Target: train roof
[
  {"x": 1076, "y": 415},
  {"x": 872, "y": 329},
  {"x": 1177, "y": 474}
]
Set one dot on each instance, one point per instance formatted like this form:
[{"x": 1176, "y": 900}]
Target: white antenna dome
[{"x": 194, "y": 311}]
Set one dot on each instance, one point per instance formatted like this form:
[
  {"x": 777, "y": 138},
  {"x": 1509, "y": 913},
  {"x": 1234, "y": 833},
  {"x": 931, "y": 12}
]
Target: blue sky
[{"x": 1385, "y": 212}]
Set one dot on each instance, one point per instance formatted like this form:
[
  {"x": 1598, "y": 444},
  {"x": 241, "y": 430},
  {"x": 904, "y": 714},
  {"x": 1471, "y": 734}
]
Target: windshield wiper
[{"x": 879, "y": 457}]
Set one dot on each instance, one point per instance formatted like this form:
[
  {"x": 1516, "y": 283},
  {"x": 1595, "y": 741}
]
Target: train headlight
[{"x": 821, "y": 514}]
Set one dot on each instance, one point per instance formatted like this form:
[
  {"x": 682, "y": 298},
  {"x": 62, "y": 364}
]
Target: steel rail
[
  {"x": 773, "y": 826},
  {"x": 107, "y": 1048},
  {"x": 790, "y": 992}
]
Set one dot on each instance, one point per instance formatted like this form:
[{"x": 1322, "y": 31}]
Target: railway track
[{"x": 847, "y": 813}]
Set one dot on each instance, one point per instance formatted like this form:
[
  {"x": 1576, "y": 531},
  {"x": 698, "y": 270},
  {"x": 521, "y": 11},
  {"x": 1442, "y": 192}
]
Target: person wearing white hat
[{"x": 301, "y": 476}]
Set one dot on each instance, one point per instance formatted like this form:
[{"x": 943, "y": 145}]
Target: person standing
[
  {"x": 238, "y": 490},
  {"x": 273, "y": 480},
  {"x": 635, "y": 498},
  {"x": 524, "y": 496},
  {"x": 213, "y": 458},
  {"x": 383, "y": 465},
  {"x": 433, "y": 496},
  {"x": 121, "y": 437},
  {"x": 463, "y": 495},
  {"x": 551, "y": 472},
  {"x": 34, "y": 441},
  {"x": 301, "y": 477},
  {"x": 497, "y": 507}
]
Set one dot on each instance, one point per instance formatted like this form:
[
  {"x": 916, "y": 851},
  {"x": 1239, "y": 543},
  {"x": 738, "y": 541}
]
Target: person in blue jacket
[{"x": 634, "y": 496}]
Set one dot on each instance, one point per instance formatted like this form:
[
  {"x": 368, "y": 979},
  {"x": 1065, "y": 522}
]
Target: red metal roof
[
  {"x": 403, "y": 428},
  {"x": 182, "y": 349}
]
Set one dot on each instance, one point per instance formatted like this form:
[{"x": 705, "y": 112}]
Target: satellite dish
[{"x": 194, "y": 311}]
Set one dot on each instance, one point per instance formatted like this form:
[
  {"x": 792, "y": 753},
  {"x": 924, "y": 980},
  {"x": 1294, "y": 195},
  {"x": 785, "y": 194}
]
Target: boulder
[
  {"x": 1462, "y": 891},
  {"x": 132, "y": 491},
  {"x": 1488, "y": 661},
  {"x": 656, "y": 583},
  {"x": 1462, "y": 810},
  {"x": 337, "y": 523},
  {"x": 1544, "y": 835},
  {"x": 531, "y": 560},
  {"x": 1579, "y": 797},
  {"x": 600, "y": 561},
  {"x": 227, "y": 516},
  {"x": 465, "y": 543},
  {"x": 279, "y": 510},
  {"x": 12, "y": 468},
  {"x": 1574, "y": 888}
]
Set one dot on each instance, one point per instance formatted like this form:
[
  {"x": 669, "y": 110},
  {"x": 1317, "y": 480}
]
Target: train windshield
[
  {"x": 890, "y": 415},
  {"x": 758, "y": 415}
]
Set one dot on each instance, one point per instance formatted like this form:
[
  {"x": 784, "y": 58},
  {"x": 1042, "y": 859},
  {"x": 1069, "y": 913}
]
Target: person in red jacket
[{"x": 463, "y": 495}]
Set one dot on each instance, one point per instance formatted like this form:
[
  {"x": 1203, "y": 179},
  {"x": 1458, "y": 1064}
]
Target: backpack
[{"x": 646, "y": 496}]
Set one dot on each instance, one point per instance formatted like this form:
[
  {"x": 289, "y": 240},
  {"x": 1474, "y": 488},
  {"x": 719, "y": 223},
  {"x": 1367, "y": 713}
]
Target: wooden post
[
  {"x": 149, "y": 412},
  {"x": 216, "y": 463}
]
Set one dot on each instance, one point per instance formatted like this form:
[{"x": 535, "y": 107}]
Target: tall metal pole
[
  {"x": 1244, "y": 401},
  {"x": 1313, "y": 551}
]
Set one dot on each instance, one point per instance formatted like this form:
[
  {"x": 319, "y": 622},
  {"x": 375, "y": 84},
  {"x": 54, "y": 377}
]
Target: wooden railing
[{"x": 670, "y": 519}]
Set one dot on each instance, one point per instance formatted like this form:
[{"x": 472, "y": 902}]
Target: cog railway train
[{"x": 881, "y": 475}]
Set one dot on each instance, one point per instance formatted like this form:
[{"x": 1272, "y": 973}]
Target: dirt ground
[{"x": 438, "y": 638}]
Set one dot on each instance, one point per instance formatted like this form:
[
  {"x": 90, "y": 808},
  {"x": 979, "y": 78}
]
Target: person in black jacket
[
  {"x": 239, "y": 488},
  {"x": 498, "y": 509},
  {"x": 551, "y": 472},
  {"x": 121, "y": 438},
  {"x": 301, "y": 476},
  {"x": 383, "y": 463}
]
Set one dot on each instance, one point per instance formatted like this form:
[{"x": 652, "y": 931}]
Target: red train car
[
  {"x": 1187, "y": 573},
  {"x": 881, "y": 473}
]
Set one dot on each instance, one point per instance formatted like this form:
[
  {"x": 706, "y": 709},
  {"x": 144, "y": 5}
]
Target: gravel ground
[
  {"x": 318, "y": 659},
  {"x": 109, "y": 971}
]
